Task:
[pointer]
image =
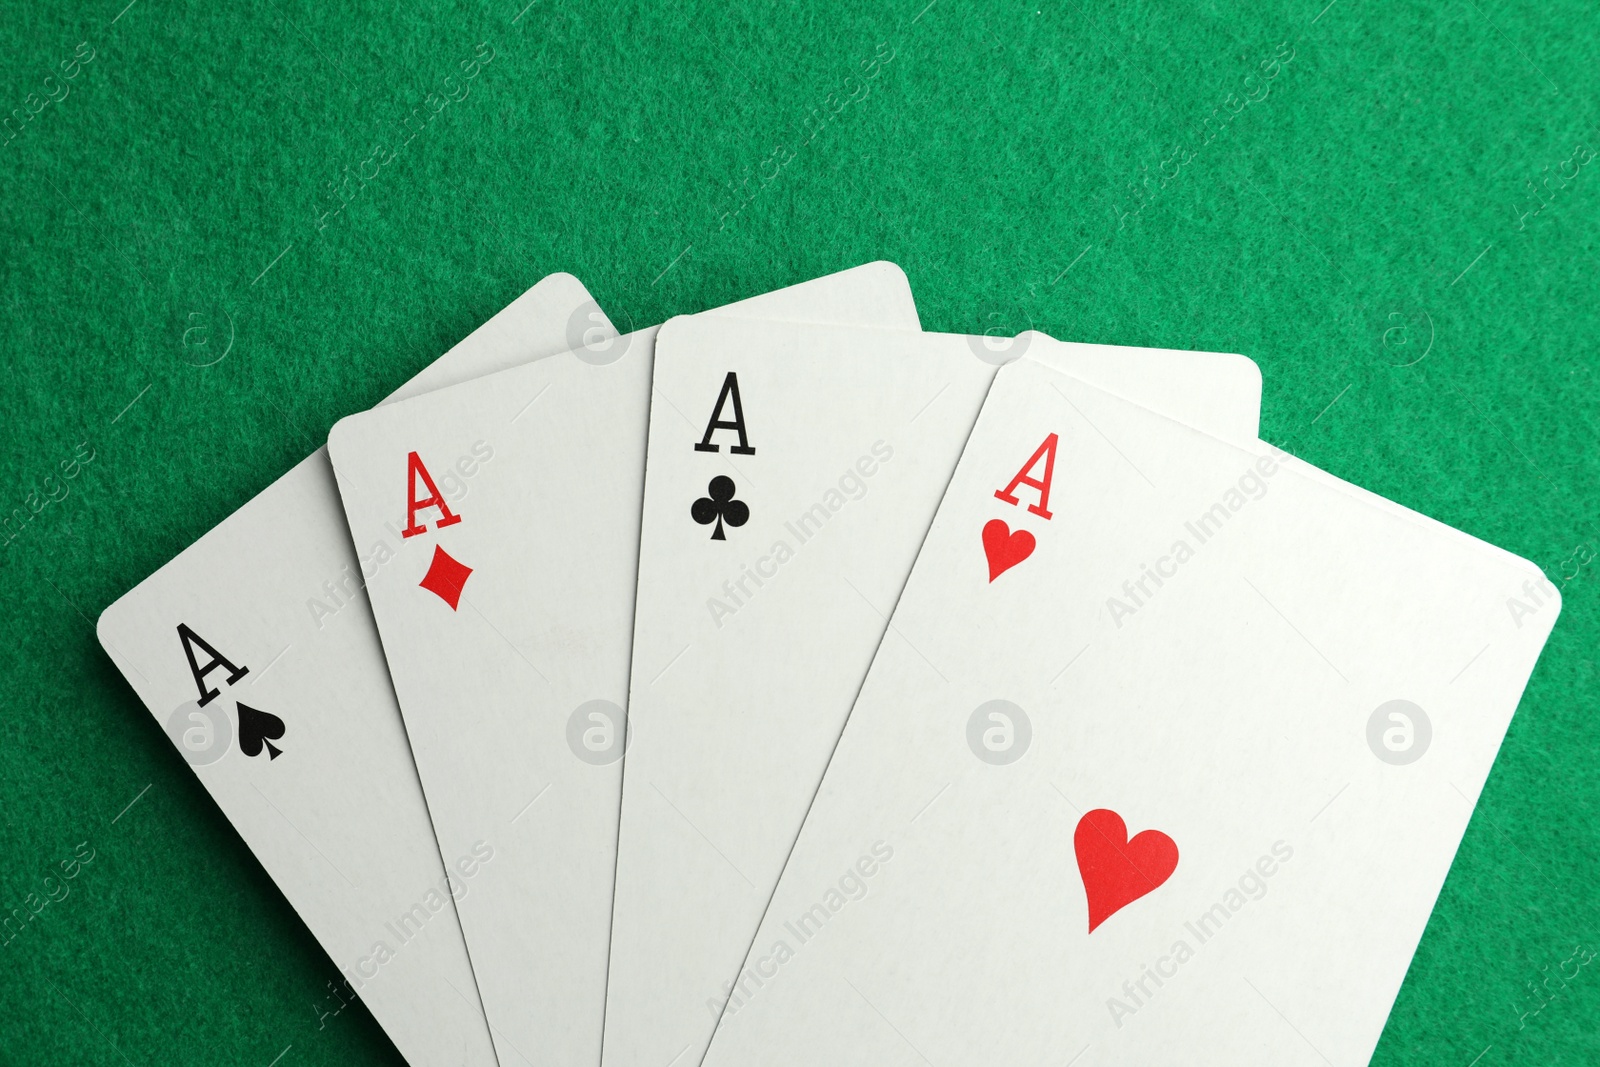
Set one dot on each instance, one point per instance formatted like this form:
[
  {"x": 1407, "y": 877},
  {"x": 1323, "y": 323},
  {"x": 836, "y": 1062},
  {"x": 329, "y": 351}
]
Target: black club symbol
[{"x": 719, "y": 507}]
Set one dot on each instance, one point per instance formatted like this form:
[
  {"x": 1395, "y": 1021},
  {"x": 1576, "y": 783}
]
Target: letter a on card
[
  {"x": 1047, "y": 450},
  {"x": 730, "y": 391},
  {"x": 218, "y": 661},
  {"x": 414, "y": 470}
]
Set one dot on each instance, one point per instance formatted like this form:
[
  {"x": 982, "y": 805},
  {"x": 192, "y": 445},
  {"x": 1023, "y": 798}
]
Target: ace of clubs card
[
  {"x": 793, "y": 470},
  {"x": 498, "y": 526}
]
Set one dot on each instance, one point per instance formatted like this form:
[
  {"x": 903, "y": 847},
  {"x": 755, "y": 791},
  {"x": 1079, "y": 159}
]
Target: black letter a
[
  {"x": 190, "y": 639},
  {"x": 730, "y": 388}
]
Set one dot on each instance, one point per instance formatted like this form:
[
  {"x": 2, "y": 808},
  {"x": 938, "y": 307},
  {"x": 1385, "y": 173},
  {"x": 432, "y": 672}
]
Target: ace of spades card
[
  {"x": 793, "y": 470},
  {"x": 1175, "y": 780},
  {"x": 256, "y": 652},
  {"x": 511, "y": 505},
  {"x": 203, "y": 732}
]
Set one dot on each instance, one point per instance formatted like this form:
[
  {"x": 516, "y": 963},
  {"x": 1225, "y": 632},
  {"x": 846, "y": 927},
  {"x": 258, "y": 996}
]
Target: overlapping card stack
[{"x": 787, "y": 685}]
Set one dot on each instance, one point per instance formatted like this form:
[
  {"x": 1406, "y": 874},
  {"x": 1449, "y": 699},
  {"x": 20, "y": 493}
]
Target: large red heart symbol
[
  {"x": 1116, "y": 872},
  {"x": 1004, "y": 548}
]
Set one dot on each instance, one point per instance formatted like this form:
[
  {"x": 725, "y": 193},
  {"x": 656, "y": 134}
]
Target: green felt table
[{"x": 1389, "y": 207}]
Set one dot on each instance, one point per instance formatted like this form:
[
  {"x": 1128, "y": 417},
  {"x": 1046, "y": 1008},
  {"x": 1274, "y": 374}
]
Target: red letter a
[
  {"x": 1042, "y": 508},
  {"x": 414, "y": 470}
]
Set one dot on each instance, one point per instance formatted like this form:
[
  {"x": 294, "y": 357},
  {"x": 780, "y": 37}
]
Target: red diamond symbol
[{"x": 446, "y": 577}]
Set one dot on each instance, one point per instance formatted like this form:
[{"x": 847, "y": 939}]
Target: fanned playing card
[
  {"x": 255, "y": 650},
  {"x": 793, "y": 471},
  {"x": 502, "y": 517},
  {"x": 1163, "y": 759}
]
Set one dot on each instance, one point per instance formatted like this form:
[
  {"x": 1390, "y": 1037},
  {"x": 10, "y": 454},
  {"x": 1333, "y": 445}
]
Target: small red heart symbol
[
  {"x": 1116, "y": 872},
  {"x": 1004, "y": 548}
]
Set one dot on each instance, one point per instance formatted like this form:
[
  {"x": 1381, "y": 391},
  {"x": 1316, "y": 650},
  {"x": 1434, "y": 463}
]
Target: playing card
[
  {"x": 1164, "y": 759},
  {"x": 256, "y": 651},
  {"x": 792, "y": 473},
  {"x": 502, "y": 521}
]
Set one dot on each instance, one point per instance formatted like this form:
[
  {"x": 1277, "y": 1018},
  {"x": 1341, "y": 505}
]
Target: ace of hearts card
[{"x": 1163, "y": 758}]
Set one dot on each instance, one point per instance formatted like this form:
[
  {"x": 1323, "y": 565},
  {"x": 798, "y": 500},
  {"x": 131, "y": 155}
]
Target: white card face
[
  {"x": 512, "y": 678},
  {"x": 1169, "y": 768},
  {"x": 337, "y": 816},
  {"x": 765, "y": 580}
]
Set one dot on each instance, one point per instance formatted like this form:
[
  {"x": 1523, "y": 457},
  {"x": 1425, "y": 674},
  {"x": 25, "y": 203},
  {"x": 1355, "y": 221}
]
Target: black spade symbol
[
  {"x": 257, "y": 728},
  {"x": 719, "y": 507}
]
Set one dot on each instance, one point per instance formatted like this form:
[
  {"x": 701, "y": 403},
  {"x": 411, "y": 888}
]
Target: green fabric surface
[{"x": 1120, "y": 173}]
